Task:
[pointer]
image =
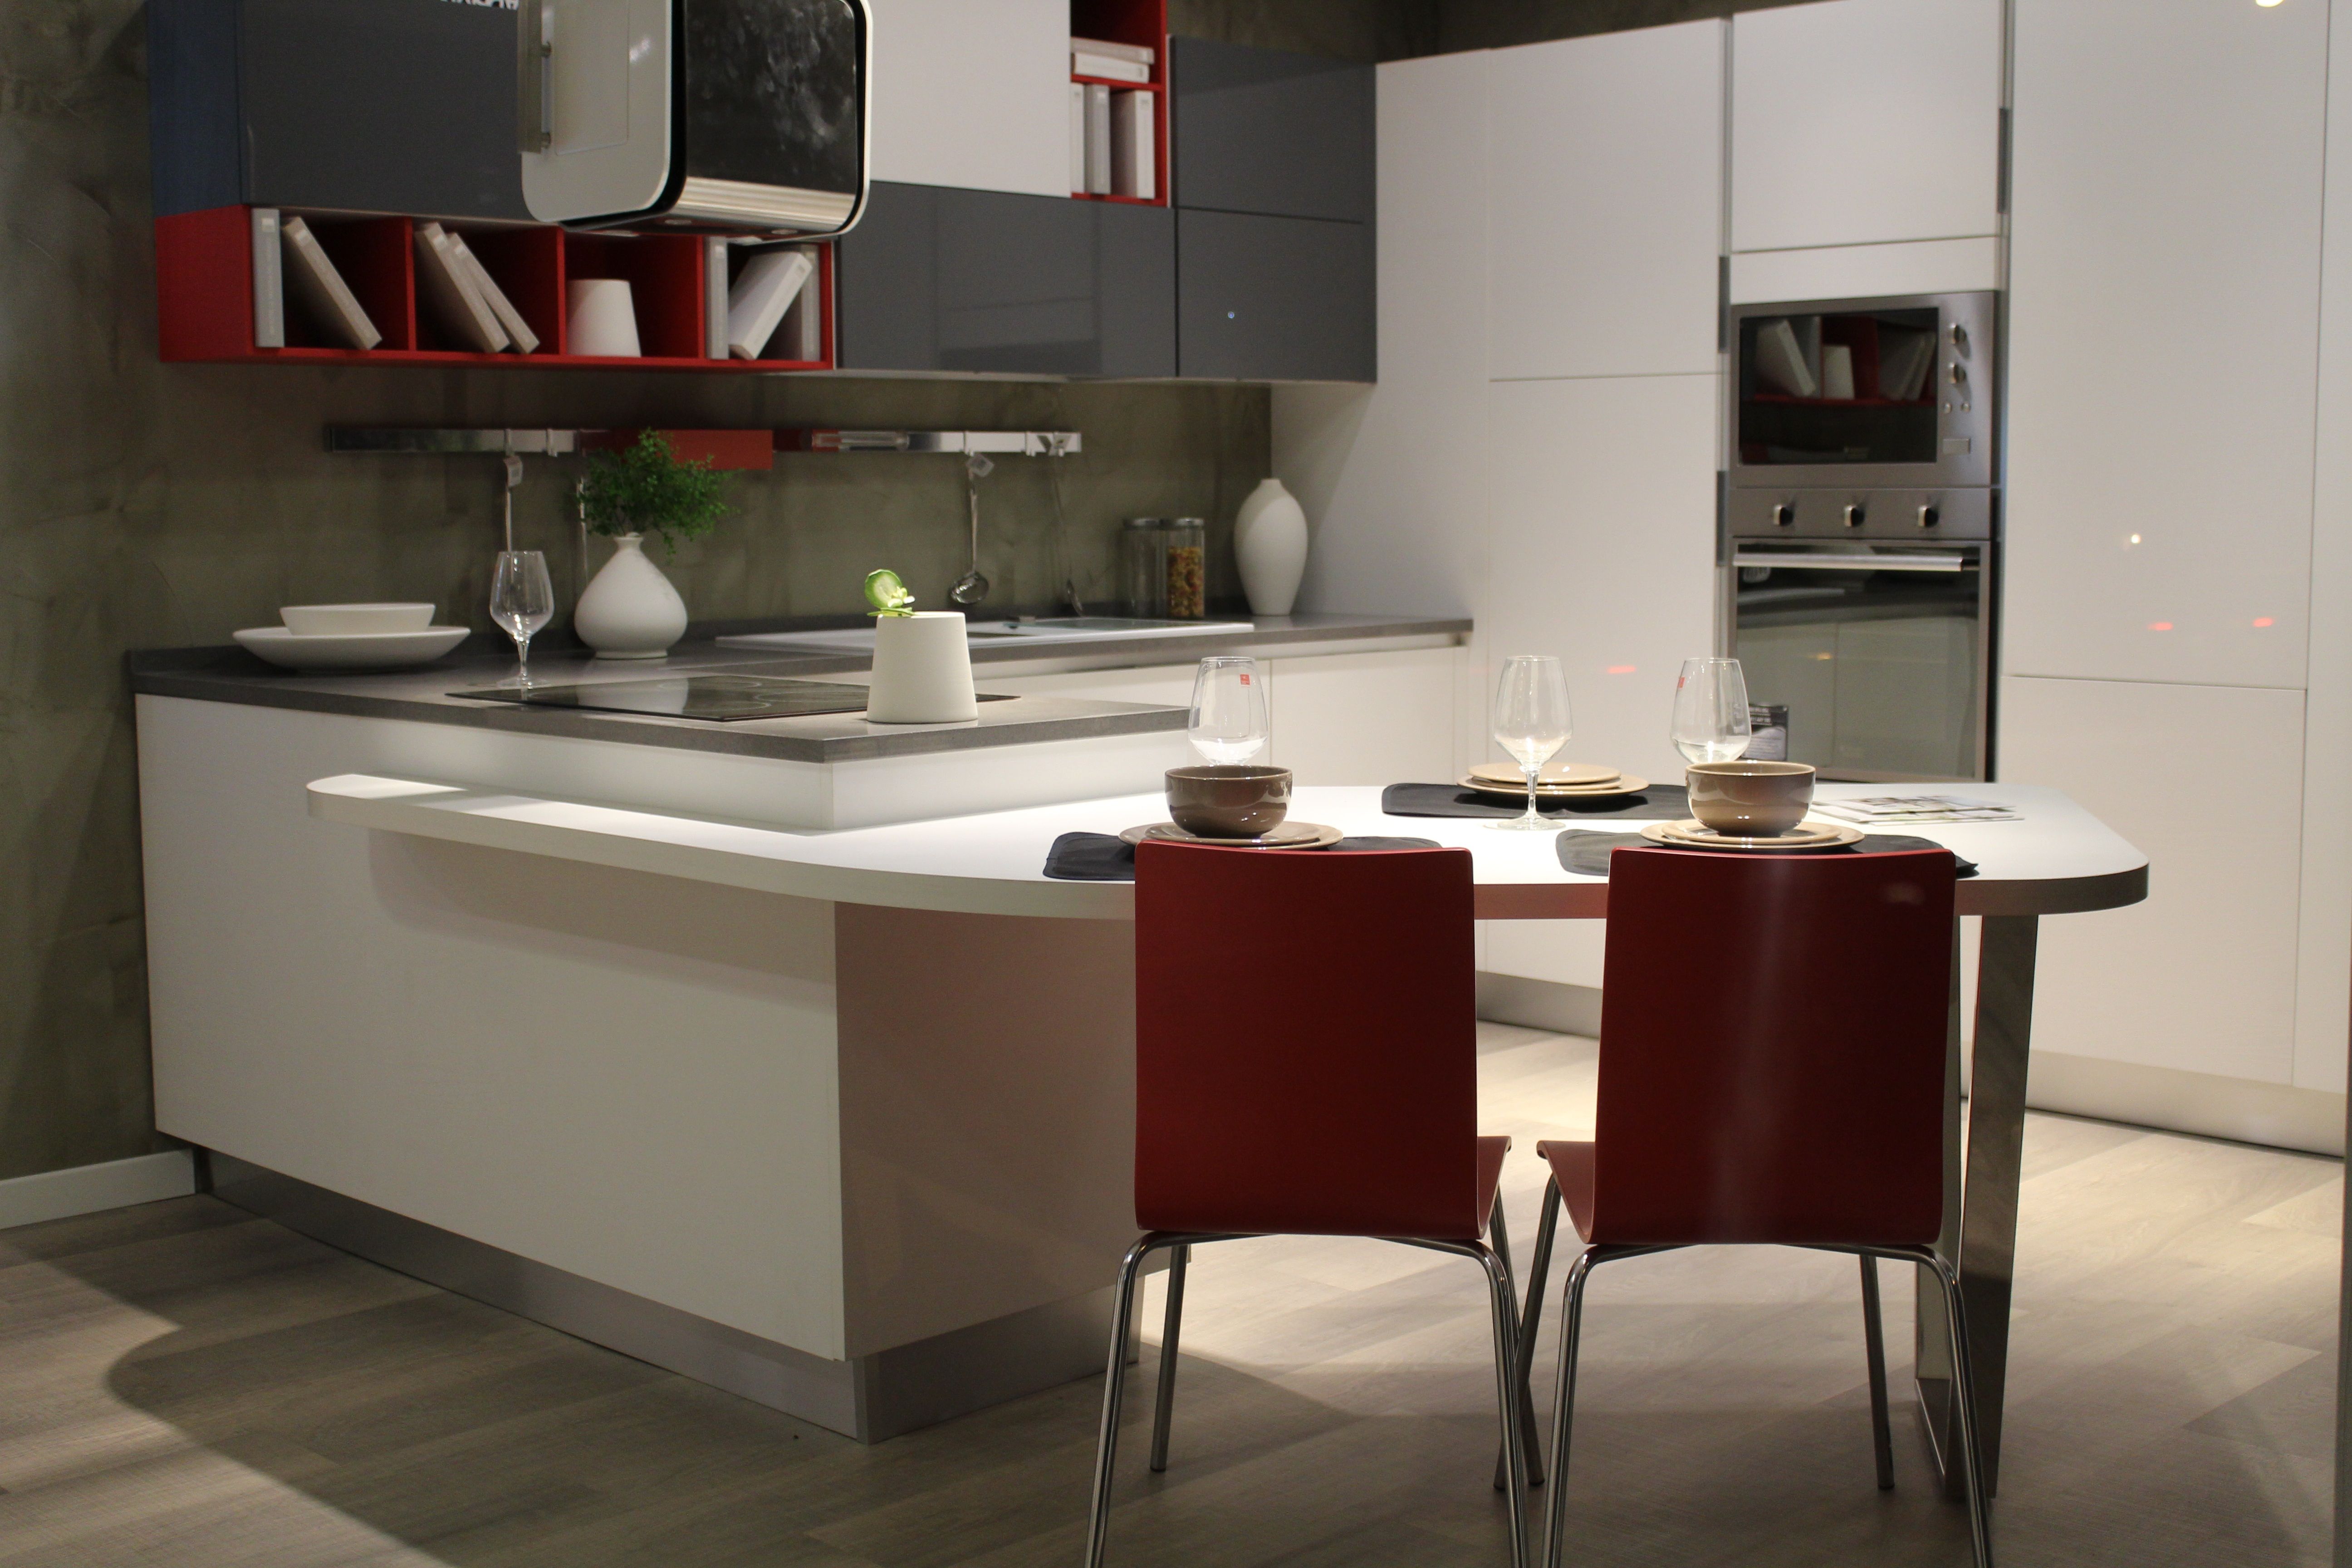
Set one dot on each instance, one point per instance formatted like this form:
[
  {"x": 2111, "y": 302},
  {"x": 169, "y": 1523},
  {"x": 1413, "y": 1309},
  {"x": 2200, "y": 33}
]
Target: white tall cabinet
[{"x": 2163, "y": 372}]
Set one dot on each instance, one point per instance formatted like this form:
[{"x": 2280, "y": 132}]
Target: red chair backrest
[
  {"x": 1305, "y": 1042},
  {"x": 1772, "y": 1048}
]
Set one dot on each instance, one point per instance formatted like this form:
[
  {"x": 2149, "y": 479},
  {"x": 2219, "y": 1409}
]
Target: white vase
[
  {"x": 922, "y": 670},
  {"x": 1270, "y": 545},
  {"x": 630, "y": 610}
]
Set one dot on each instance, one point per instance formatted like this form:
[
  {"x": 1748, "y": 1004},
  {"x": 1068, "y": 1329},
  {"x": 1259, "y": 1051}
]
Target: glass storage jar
[
  {"x": 1143, "y": 567},
  {"x": 1188, "y": 568}
]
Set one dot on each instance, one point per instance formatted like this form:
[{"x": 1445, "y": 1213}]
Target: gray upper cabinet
[
  {"x": 935, "y": 278},
  {"x": 1260, "y": 131},
  {"x": 1273, "y": 298}
]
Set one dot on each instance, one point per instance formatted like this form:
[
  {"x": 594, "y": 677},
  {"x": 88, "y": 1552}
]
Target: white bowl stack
[{"x": 352, "y": 636}]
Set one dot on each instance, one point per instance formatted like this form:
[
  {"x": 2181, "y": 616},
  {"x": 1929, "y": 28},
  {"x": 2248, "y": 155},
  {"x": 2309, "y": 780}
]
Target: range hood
[{"x": 725, "y": 117}]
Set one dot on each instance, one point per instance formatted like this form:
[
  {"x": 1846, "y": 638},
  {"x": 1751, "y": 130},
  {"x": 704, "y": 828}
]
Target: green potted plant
[{"x": 631, "y": 610}]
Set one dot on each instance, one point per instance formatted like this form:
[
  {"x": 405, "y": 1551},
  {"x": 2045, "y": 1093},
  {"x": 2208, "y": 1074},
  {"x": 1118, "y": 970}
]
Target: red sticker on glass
[{"x": 1244, "y": 678}]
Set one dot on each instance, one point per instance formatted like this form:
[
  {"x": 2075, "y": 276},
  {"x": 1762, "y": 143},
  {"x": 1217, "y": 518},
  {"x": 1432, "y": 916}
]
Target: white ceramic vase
[
  {"x": 1270, "y": 545},
  {"x": 922, "y": 670},
  {"x": 630, "y": 610}
]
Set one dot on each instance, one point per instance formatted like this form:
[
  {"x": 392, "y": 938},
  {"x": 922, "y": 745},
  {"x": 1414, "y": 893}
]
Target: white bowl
[
  {"x": 338, "y": 620},
  {"x": 354, "y": 650}
]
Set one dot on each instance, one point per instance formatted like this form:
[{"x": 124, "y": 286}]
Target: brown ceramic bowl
[
  {"x": 1751, "y": 799},
  {"x": 1236, "y": 802}
]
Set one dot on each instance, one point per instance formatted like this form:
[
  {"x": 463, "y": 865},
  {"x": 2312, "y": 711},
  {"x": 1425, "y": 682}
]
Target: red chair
[
  {"x": 1773, "y": 1033},
  {"x": 1306, "y": 1064}
]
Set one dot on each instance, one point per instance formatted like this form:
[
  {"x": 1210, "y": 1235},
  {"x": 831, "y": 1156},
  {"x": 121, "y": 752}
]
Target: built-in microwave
[{"x": 1862, "y": 393}]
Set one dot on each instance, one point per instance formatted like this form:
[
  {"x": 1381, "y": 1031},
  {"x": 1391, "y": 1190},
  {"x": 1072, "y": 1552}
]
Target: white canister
[
  {"x": 601, "y": 320},
  {"x": 922, "y": 670},
  {"x": 630, "y": 610},
  {"x": 1270, "y": 547}
]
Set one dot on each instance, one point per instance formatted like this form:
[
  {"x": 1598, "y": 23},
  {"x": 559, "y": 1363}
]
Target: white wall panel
[
  {"x": 2201, "y": 976},
  {"x": 1860, "y": 122},
  {"x": 975, "y": 96},
  {"x": 2164, "y": 270},
  {"x": 1366, "y": 717},
  {"x": 1604, "y": 227}
]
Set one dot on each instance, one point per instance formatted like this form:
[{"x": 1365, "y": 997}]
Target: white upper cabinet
[
  {"x": 1865, "y": 121},
  {"x": 2164, "y": 334},
  {"x": 975, "y": 96},
  {"x": 1605, "y": 213}
]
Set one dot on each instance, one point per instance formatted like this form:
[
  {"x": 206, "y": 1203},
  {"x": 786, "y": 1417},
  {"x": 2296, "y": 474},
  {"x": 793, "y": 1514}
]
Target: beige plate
[
  {"x": 1517, "y": 789},
  {"x": 1810, "y": 834},
  {"x": 1570, "y": 774},
  {"x": 1289, "y": 835}
]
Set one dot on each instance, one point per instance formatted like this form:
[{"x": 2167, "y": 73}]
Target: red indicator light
[
  {"x": 2264, "y": 621},
  {"x": 1628, "y": 669},
  {"x": 2159, "y": 625}
]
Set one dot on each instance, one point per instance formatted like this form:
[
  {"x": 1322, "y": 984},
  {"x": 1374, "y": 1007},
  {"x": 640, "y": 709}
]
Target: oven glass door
[
  {"x": 1839, "y": 387},
  {"x": 1879, "y": 654}
]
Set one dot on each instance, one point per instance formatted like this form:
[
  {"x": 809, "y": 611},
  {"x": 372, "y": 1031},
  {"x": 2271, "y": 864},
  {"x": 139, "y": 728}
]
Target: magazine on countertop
[{"x": 1891, "y": 810}]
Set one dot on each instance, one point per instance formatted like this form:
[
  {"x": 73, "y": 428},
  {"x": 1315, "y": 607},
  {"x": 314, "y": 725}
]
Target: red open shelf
[
  {"x": 1144, "y": 23},
  {"x": 204, "y": 285}
]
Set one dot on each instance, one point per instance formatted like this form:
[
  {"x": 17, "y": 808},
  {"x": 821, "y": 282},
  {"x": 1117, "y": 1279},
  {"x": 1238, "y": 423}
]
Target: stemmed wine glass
[
  {"x": 1711, "y": 723},
  {"x": 1230, "y": 720},
  {"x": 1531, "y": 723},
  {"x": 522, "y": 600}
]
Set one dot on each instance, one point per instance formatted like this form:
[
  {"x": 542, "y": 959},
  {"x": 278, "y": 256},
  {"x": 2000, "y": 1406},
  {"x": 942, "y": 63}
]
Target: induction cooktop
[{"x": 723, "y": 699}]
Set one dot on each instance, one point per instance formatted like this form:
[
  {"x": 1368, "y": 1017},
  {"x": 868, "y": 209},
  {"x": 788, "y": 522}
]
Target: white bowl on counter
[
  {"x": 344, "y": 620},
  {"x": 290, "y": 649}
]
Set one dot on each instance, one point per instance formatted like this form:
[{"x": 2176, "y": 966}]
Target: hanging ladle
[{"x": 972, "y": 587}]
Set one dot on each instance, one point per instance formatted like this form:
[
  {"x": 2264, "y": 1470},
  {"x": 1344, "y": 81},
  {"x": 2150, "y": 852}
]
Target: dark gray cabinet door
[
  {"x": 934, "y": 279},
  {"x": 1273, "y": 298},
  {"x": 1259, "y": 130}
]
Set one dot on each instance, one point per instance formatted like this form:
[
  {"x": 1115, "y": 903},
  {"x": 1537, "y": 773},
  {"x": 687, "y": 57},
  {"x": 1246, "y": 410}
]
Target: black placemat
[
  {"x": 1452, "y": 800},
  {"x": 1107, "y": 858},
  {"x": 1587, "y": 854}
]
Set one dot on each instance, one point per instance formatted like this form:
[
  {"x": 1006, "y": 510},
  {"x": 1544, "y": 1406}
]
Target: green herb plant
[
  {"x": 887, "y": 595},
  {"x": 648, "y": 488}
]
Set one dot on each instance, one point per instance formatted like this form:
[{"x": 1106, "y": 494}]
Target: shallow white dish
[
  {"x": 358, "y": 650},
  {"x": 344, "y": 620}
]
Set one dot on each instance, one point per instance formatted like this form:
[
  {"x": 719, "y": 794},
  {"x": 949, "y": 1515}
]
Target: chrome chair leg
[
  {"x": 1170, "y": 1326},
  {"x": 1964, "y": 1395},
  {"x": 1506, "y": 1396},
  {"x": 1571, "y": 1328},
  {"x": 1531, "y": 1314},
  {"x": 1874, "y": 1335},
  {"x": 1114, "y": 1386}
]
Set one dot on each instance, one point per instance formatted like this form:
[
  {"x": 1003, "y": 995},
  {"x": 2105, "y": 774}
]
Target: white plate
[
  {"x": 350, "y": 650},
  {"x": 1810, "y": 834}
]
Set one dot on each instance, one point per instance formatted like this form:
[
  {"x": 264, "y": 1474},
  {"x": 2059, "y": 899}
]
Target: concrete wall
[{"x": 144, "y": 505}]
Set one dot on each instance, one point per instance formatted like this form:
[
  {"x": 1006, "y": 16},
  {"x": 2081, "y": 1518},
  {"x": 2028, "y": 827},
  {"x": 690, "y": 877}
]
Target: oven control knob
[
  {"x": 1959, "y": 373},
  {"x": 1855, "y": 517},
  {"x": 1784, "y": 515},
  {"x": 1959, "y": 337},
  {"x": 1930, "y": 517}
]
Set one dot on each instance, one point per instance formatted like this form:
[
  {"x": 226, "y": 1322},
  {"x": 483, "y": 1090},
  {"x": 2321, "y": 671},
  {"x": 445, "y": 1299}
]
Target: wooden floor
[{"x": 182, "y": 1383}]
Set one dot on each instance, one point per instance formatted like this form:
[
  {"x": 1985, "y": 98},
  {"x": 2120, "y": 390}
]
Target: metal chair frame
[{"x": 1494, "y": 1256}]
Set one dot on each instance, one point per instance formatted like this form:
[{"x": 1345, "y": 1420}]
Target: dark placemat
[
  {"x": 1107, "y": 858},
  {"x": 1452, "y": 800},
  {"x": 1587, "y": 854}
]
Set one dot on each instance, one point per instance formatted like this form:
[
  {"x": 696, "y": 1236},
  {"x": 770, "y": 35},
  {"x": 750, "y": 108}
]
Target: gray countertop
[{"x": 233, "y": 674}]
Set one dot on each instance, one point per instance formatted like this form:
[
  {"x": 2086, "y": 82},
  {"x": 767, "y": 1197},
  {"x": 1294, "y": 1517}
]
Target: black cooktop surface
[{"x": 720, "y": 697}]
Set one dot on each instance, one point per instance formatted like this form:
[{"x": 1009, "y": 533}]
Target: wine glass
[
  {"x": 1230, "y": 720},
  {"x": 521, "y": 600},
  {"x": 1711, "y": 722},
  {"x": 1530, "y": 721}
]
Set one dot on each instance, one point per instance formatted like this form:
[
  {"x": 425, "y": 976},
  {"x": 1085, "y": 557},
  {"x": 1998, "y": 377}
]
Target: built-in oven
[
  {"x": 1873, "y": 633},
  {"x": 1885, "y": 392}
]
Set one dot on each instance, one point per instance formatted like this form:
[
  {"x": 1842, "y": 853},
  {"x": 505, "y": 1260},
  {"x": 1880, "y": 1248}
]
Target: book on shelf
[
  {"x": 1837, "y": 371},
  {"x": 1133, "y": 54},
  {"x": 714, "y": 297},
  {"x": 763, "y": 290},
  {"x": 312, "y": 278},
  {"x": 1780, "y": 360},
  {"x": 1077, "y": 137},
  {"x": 1905, "y": 357},
  {"x": 1097, "y": 140},
  {"x": 801, "y": 337},
  {"x": 268, "y": 281},
  {"x": 1134, "y": 162},
  {"x": 1103, "y": 66},
  {"x": 442, "y": 280},
  {"x": 525, "y": 341}
]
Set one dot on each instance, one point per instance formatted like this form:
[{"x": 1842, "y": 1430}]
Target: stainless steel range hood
[{"x": 731, "y": 117}]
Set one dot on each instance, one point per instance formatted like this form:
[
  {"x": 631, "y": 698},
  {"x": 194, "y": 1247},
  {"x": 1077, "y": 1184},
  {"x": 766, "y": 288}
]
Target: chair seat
[
  {"x": 1572, "y": 1166},
  {"x": 1490, "y": 1174}
]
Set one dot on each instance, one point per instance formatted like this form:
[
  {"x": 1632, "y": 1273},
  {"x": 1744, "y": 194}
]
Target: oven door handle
[{"x": 1858, "y": 563}]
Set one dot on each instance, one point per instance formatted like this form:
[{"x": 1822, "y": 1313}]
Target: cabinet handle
[
  {"x": 535, "y": 76},
  {"x": 1855, "y": 517}
]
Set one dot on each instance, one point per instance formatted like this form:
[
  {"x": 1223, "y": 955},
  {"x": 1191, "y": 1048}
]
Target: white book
[
  {"x": 525, "y": 341},
  {"x": 762, "y": 292},
  {"x": 1097, "y": 140},
  {"x": 801, "y": 337},
  {"x": 1104, "y": 66},
  {"x": 1780, "y": 361},
  {"x": 268, "y": 281},
  {"x": 1134, "y": 54},
  {"x": 715, "y": 299},
  {"x": 1134, "y": 163},
  {"x": 441, "y": 281},
  {"x": 1837, "y": 371},
  {"x": 311, "y": 276},
  {"x": 1905, "y": 356},
  {"x": 1077, "y": 137}
]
